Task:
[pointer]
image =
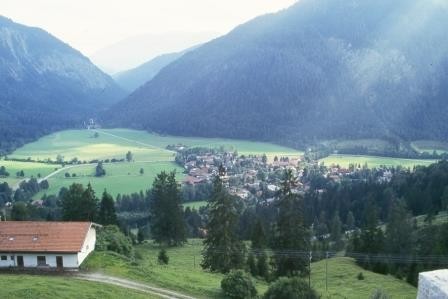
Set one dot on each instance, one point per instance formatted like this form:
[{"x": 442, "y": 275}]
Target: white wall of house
[
  {"x": 30, "y": 259},
  {"x": 433, "y": 285},
  {"x": 88, "y": 246}
]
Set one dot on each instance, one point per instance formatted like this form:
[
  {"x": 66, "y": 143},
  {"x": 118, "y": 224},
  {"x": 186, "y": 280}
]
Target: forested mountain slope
[
  {"x": 46, "y": 85},
  {"x": 322, "y": 69}
]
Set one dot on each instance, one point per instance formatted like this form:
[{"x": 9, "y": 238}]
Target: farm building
[
  {"x": 433, "y": 285},
  {"x": 45, "y": 245}
]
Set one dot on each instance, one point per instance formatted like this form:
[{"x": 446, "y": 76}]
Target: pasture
[
  {"x": 184, "y": 274},
  {"x": 120, "y": 178},
  {"x": 30, "y": 169},
  {"x": 57, "y": 287},
  {"x": 430, "y": 146},
  {"x": 149, "y": 152},
  {"x": 373, "y": 162}
]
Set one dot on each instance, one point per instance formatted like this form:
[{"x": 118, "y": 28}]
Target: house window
[
  {"x": 41, "y": 261},
  {"x": 4, "y": 258},
  {"x": 12, "y": 257}
]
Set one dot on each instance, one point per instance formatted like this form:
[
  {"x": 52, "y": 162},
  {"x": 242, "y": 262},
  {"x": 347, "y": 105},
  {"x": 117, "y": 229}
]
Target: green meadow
[
  {"x": 149, "y": 152},
  {"x": 184, "y": 274},
  {"x": 120, "y": 178},
  {"x": 429, "y": 146},
  {"x": 30, "y": 169},
  {"x": 57, "y": 287},
  {"x": 372, "y": 161}
]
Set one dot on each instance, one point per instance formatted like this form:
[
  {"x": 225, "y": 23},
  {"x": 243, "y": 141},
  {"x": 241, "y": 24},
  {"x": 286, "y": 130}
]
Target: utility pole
[
  {"x": 309, "y": 264},
  {"x": 326, "y": 271}
]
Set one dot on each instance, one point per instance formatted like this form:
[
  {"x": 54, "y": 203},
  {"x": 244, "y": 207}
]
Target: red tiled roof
[{"x": 33, "y": 236}]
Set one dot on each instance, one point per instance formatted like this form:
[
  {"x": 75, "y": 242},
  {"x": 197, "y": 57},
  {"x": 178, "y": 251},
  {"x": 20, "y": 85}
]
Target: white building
[
  {"x": 433, "y": 285},
  {"x": 45, "y": 245}
]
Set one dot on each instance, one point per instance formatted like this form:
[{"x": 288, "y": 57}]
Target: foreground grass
[
  {"x": 373, "y": 162},
  {"x": 184, "y": 274},
  {"x": 53, "y": 287},
  {"x": 343, "y": 281}
]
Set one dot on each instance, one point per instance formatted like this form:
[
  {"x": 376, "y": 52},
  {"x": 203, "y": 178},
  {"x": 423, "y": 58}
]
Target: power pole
[
  {"x": 309, "y": 264},
  {"x": 326, "y": 271}
]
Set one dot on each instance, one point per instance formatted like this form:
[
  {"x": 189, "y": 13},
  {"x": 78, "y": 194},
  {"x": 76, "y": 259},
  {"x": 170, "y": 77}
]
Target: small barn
[{"x": 45, "y": 245}]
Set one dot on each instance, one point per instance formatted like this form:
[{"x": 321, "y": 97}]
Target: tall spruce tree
[
  {"x": 79, "y": 204},
  {"x": 106, "y": 213},
  {"x": 167, "y": 219},
  {"x": 291, "y": 238},
  {"x": 223, "y": 250}
]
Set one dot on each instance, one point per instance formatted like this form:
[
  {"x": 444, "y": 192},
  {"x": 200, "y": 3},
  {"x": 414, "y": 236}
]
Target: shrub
[
  {"x": 379, "y": 294},
  {"x": 290, "y": 288},
  {"x": 360, "y": 276},
  {"x": 163, "y": 257},
  {"x": 238, "y": 285},
  {"x": 111, "y": 238}
]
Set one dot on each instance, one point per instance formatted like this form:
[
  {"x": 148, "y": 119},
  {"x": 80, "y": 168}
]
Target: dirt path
[{"x": 125, "y": 283}]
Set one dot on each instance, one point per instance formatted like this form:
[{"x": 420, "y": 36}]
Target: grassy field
[
  {"x": 430, "y": 146},
  {"x": 184, "y": 274},
  {"x": 343, "y": 281},
  {"x": 149, "y": 152},
  {"x": 29, "y": 168},
  {"x": 53, "y": 287},
  {"x": 372, "y": 162},
  {"x": 123, "y": 178},
  {"x": 115, "y": 143},
  {"x": 195, "y": 205}
]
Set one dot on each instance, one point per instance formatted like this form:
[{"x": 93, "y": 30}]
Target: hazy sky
[{"x": 90, "y": 25}]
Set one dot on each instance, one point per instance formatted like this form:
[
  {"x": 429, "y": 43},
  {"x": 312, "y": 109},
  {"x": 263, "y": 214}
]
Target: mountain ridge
[{"x": 318, "y": 70}]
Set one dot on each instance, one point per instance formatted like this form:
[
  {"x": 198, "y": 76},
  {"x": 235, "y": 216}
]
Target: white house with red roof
[{"x": 45, "y": 245}]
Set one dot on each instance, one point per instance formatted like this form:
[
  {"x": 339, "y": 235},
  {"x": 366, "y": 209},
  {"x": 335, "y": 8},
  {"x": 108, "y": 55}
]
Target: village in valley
[{"x": 259, "y": 176}]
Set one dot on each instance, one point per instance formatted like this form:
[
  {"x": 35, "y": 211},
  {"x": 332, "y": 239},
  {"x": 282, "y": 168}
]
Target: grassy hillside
[
  {"x": 346, "y": 160},
  {"x": 53, "y": 287},
  {"x": 343, "y": 281},
  {"x": 183, "y": 273}
]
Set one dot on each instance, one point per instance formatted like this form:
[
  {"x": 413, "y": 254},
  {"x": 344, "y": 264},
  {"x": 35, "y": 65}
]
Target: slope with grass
[
  {"x": 344, "y": 283},
  {"x": 56, "y": 287},
  {"x": 184, "y": 274},
  {"x": 372, "y": 161}
]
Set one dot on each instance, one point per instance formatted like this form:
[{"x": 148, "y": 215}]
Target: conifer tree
[
  {"x": 223, "y": 250},
  {"x": 291, "y": 239},
  {"x": 167, "y": 219},
  {"x": 106, "y": 213}
]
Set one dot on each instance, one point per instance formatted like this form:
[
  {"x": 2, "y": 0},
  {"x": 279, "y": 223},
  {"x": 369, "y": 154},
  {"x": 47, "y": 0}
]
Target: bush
[
  {"x": 360, "y": 276},
  {"x": 290, "y": 288},
  {"x": 111, "y": 238},
  {"x": 379, "y": 294},
  {"x": 238, "y": 285},
  {"x": 163, "y": 258}
]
